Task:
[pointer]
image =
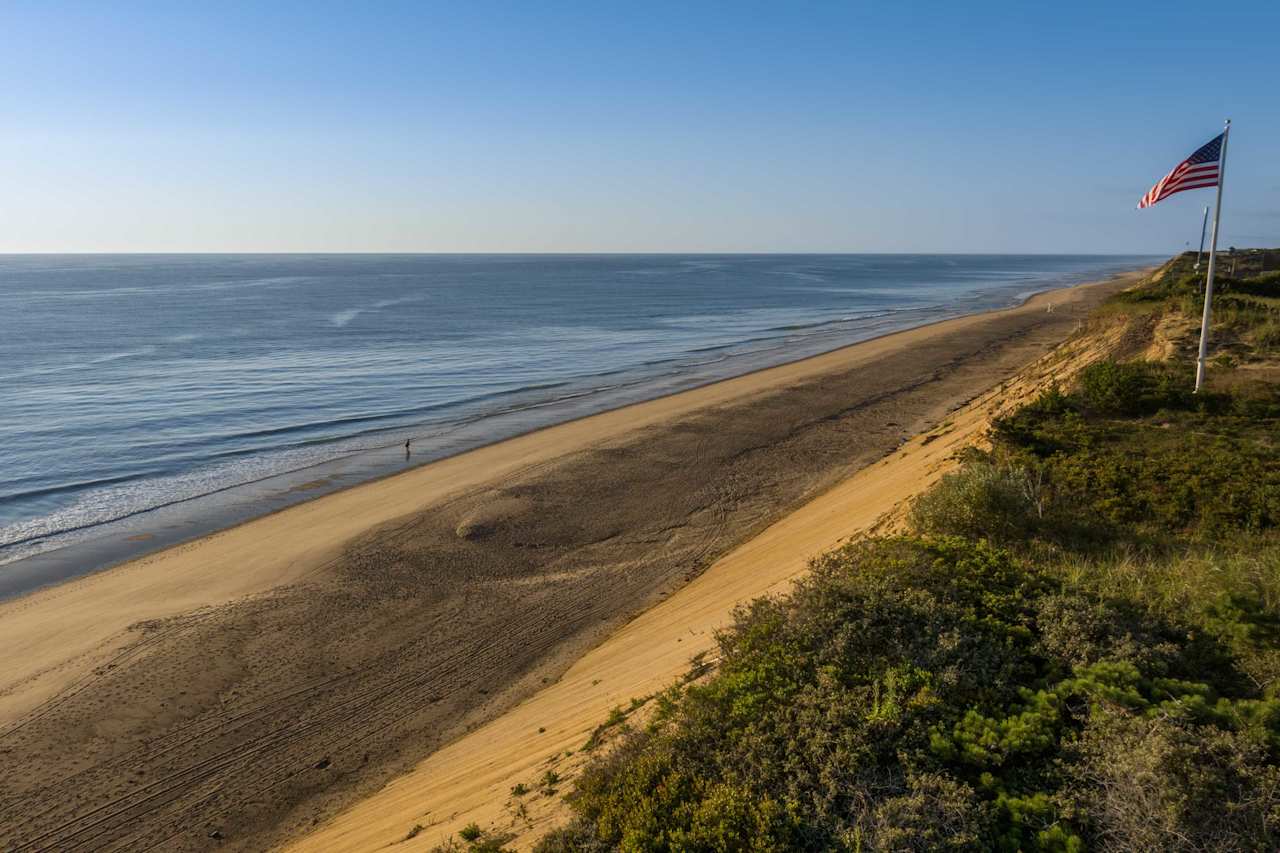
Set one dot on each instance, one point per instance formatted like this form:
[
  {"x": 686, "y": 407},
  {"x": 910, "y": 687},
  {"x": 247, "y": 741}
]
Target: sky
[{"x": 630, "y": 127}]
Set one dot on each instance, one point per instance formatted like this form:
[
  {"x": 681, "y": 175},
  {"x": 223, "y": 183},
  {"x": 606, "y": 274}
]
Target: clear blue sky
[{"x": 638, "y": 126}]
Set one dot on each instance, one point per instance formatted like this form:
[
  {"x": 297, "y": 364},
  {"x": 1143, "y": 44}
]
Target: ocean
[{"x": 146, "y": 399}]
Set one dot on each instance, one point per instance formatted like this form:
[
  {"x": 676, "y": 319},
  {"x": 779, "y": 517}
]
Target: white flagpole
[
  {"x": 1204, "y": 223},
  {"x": 1213, "y": 250}
]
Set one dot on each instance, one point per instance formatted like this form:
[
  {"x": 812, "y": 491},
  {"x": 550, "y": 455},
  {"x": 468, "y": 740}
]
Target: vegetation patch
[
  {"x": 937, "y": 693},
  {"x": 476, "y": 840}
]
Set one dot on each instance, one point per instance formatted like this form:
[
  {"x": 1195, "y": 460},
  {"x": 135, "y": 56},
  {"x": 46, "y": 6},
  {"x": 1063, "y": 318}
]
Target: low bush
[
  {"x": 1229, "y": 596},
  {"x": 1134, "y": 388},
  {"x": 1133, "y": 455},
  {"x": 983, "y": 500},
  {"x": 1164, "y": 783},
  {"x": 1267, "y": 336},
  {"x": 923, "y": 694},
  {"x": 476, "y": 840}
]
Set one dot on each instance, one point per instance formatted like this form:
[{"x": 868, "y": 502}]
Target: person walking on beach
[{"x": 406, "y": 447}]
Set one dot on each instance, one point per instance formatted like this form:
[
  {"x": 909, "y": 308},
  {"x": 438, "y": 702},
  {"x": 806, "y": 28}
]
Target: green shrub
[
  {"x": 935, "y": 813},
  {"x": 1134, "y": 388},
  {"x": 983, "y": 501},
  {"x": 1171, "y": 463},
  {"x": 1267, "y": 336},
  {"x": 1112, "y": 388},
  {"x": 1161, "y": 783},
  {"x": 920, "y": 694},
  {"x": 492, "y": 844},
  {"x": 1228, "y": 597},
  {"x": 476, "y": 841}
]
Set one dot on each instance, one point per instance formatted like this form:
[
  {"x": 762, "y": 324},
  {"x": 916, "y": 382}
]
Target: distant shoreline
[
  {"x": 97, "y": 546},
  {"x": 547, "y": 254}
]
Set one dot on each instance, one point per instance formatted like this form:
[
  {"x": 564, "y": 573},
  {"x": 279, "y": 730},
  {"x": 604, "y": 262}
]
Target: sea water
[{"x": 147, "y": 398}]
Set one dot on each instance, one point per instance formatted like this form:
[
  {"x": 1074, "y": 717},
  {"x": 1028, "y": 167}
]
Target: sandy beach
[
  {"x": 471, "y": 781},
  {"x": 243, "y": 689}
]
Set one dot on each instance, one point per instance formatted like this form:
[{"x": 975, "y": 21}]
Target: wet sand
[{"x": 241, "y": 689}]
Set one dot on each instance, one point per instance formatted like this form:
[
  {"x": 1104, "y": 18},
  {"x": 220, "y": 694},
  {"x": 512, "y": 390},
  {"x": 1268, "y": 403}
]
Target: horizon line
[{"x": 579, "y": 253}]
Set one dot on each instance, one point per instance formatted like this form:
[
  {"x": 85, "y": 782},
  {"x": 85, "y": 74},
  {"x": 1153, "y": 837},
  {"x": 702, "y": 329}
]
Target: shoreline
[
  {"x": 147, "y": 532},
  {"x": 385, "y": 619}
]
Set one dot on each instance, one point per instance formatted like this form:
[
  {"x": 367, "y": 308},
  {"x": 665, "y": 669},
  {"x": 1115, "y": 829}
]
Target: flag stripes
[{"x": 1202, "y": 169}]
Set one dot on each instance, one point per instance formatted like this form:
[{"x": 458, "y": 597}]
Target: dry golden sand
[{"x": 471, "y": 780}]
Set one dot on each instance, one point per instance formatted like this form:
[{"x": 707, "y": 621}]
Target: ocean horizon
[{"x": 152, "y": 398}]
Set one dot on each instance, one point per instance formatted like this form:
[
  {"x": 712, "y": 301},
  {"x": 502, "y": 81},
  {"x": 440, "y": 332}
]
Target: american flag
[{"x": 1201, "y": 169}]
